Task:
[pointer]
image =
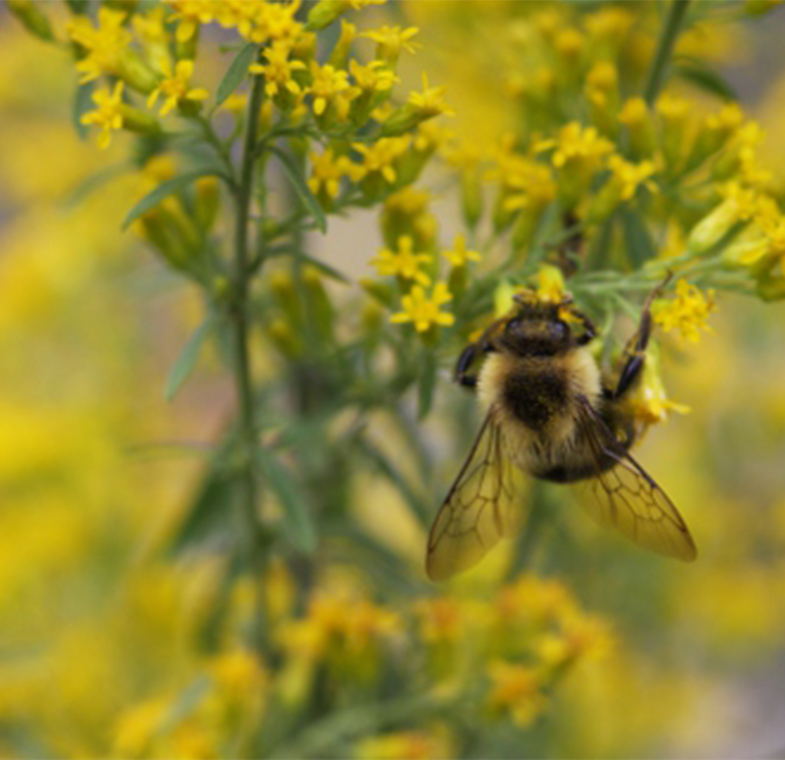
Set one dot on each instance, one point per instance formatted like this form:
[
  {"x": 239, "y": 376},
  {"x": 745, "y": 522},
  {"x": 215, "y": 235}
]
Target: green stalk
[
  {"x": 255, "y": 537},
  {"x": 670, "y": 33}
]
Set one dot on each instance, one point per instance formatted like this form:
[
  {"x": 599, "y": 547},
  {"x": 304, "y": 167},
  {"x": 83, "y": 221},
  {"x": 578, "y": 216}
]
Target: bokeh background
[{"x": 102, "y": 623}]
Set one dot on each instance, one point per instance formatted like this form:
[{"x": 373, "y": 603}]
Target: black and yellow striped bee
[{"x": 550, "y": 415}]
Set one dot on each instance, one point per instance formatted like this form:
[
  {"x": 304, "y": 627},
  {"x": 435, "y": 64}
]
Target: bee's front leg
[
  {"x": 465, "y": 361},
  {"x": 467, "y": 358}
]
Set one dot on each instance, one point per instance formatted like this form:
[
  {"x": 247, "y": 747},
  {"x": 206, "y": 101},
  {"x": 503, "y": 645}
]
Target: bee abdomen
[{"x": 535, "y": 398}]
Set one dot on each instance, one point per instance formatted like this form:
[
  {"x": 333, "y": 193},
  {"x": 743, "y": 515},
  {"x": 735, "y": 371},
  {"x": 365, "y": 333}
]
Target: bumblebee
[{"x": 550, "y": 414}]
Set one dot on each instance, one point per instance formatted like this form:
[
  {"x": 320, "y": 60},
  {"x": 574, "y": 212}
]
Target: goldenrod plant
[{"x": 306, "y": 211}]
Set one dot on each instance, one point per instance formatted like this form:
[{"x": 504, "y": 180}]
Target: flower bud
[
  {"x": 324, "y": 13},
  {"x": 154, "y": 227},
  {"x": 636, "y": 117},
  {"x": 285, "y": 294},
  {"x": 286, "y": 340},
  {"x": 379, "y": 291},
  {"x": 208, "y": 202},
  {"x": 339, "y": 57},
  {"x": 673, "y": 119},
  {"x": 136, "y": 73},
  {"x": 32, "y": 18},
  {"x": 471, "y": 196},
  {"x": 319, "y": 303}
]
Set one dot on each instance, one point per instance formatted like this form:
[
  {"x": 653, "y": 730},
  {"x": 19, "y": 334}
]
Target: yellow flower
[
  {"x": 329, "y": 170},
  {"x": 278, "y": 69},
  {"x": 236, "y": 103},
  {"x": 408, "y": 745},
  {"x": 741, "y": 204},
  {"x": 631, "y": 176},
  {"x": 191, "y": 13},
  {"x": 430, "y": 102},
  {"x": 577, "y": 143},
  {"x": 403, "y": 263},
  {"x": 671, "y": 108},
  {"x": 381, "y": 156},
  {"x": 151, "y": 27},
  {"x": 459, "y": 256},
  {"x": 375, "y": 77},
  {"x": 103, "y": 44},
  {"x": 650, "y": 402},
  {"x": 176, "y": 88},
  {"x": 238, "y": 673},
  {"x": 549, "y": 282},
  {"x": 138, "y": 725},
  {"x": 515, "y": 689},
  {"x": 391, "y": 40},
  {"x": 688, "y": 312},
  {"x": 423, "y": 311},
  {"x": 441, "y": 619},
  {"x": 328, "y": 82},
  {"x": 108, "y": 113}
]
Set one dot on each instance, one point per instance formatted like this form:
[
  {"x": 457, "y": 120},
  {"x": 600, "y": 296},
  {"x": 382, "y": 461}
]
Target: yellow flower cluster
[{"x": 687, "y": 313}]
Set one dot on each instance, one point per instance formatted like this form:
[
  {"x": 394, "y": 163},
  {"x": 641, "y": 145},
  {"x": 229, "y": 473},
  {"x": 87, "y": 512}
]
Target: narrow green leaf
[
  {"x": 83, "y": 102},
  {"x": 206, "y": 521},
  {"x": 637, "y": 240},
  {"x": 325, "y": 269},
  {"x": 707, "y": 80},
  {"x": 301, "y": 187},
  {"x": 165, "y": 189},
  {"x": 297, "y": 520},
  {"x": 235, "y": 73},
  {"x": 426, "y": 385},
  {"x": 187, "y": 360}
]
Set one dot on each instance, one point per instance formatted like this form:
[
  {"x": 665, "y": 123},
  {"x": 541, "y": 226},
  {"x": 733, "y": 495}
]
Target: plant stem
[
  {"x": 670, "y": 32},
  {"x": 254, "y": 537}
]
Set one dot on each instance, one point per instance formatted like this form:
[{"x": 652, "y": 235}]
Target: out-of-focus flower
[
  {"x": 176, "y": 87},
  {"x": 325, "y": 12},
  {"x": 328, "y": 171},
  {"x": 278, "y": 71},
  {"x": 391, "y": 40},
  {"x": 687, "y": 313},
  {"x": 422, "y": 310},
  {"x": 380, "y": 157},
  {"x": 460, "y": 256},
  {"x": 108, "y": 113},
  {"x": 104, "y": 43},
  {"x": 327, "y": 85},
  {"x": 404, "y": 262},
  {"x": 649, "y": 399},
  {"x": 515, "y": 690}
]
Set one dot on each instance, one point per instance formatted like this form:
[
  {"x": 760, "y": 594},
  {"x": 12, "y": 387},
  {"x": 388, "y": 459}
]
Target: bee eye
[{"x": 559, "y": 331}]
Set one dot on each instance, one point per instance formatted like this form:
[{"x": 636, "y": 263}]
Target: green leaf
[
  {"x": 207, "y": 520},
  {"x": 83, "y": 102},
  {"x": 637, "y": 240},
  {"x": 325, "y": 269},
  {"x": 707, "y": 80},
  {"x": 235, "y": 73},
  {"x": 164, "y": 190},
  {"x": 301, "y": 187},
  {"x": 297, "y": 520},
  {"x": 426, "y": 385},
  {"x": 187, "y": 360}
]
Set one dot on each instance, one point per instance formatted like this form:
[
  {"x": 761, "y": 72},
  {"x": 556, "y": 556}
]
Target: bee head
[{"x": 539, "y": 328}]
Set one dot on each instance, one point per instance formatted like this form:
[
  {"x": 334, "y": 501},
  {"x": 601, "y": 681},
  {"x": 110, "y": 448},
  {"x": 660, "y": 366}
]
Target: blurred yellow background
[{"x": 100, "y": 626}]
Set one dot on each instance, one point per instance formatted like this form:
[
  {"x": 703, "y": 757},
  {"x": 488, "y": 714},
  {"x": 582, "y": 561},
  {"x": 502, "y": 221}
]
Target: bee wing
[
  {"x": 485, "y": 503},
  {"x": 626, "y": 496}
]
